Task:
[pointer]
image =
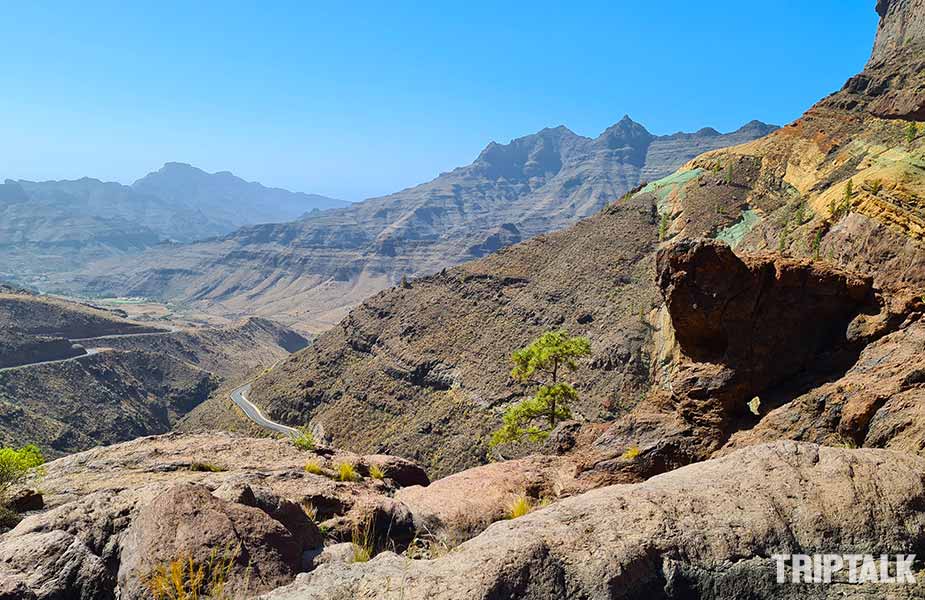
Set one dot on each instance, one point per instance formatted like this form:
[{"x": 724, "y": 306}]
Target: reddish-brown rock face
[
  {"x": 757, "y": 325},
  {"x": 763, "y": 317}
]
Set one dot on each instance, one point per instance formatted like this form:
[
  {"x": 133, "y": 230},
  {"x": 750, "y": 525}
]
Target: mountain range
[
  {"x": 55, "y": 226},
  {"x": 754, "y": 394},
  {"x": 308, "y": 273}
]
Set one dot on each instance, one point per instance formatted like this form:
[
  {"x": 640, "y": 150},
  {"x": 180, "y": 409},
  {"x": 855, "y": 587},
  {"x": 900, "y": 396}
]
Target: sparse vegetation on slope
[{"x": 542, "y": 363}]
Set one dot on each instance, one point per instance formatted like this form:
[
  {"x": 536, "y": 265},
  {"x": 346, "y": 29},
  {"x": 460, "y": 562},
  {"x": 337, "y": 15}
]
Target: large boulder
[
  {"x": 703, "y": 531},
  {"x": 458, "y": 507},
  {"x": 188, "y": 522}
]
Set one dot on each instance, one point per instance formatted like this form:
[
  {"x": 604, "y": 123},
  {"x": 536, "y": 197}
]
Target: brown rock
[
  {"x": 403, "y": 472},
  {"x": 456, "y": 508},
  {"x": 703, "y": 531},
  {"x": 188, "y": 521},
  {"x": 743, "y": 327}
]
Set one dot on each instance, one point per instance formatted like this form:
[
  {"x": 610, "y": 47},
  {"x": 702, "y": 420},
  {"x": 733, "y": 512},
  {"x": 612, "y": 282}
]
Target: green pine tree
[
  {"x": 849, "y": 192},
  {"x": 542, "y": 363},
  {"x": 664, "y": 223},
  {"x": 817, "y": 244}
]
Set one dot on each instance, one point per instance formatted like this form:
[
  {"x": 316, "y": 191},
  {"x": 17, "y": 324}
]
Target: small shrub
[
  {"x": 204, "y": 467},
  {"x": 305, "y": 440},
  {"x": 631, "y": 453},
  {"x": 314, "y": 468},
  {"x": 347, "y": 472},
  {"x": 17, "y": 466},
  {"x": 875, "y": 186},
  {"x": 783, "y": 242},
  {"x": 376, "y": 472},
  {"x": 520, "y": 507},
  {"x": 845, "y": 442},
  {"x": 817, "y": 244},
  {"x": 729, "y": 174},
  {"x": 362, "y": 540},
  {"x": 911, "y": 133}
]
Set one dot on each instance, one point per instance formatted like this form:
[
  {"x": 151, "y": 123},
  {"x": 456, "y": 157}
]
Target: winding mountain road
[
  {"x": 253, "y": 413},
  {"x": 89, "y": 352},
  {"x": 238, "y": 395}
]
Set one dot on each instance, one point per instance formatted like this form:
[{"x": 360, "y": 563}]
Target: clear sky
[{"x": 356, "y": 99}]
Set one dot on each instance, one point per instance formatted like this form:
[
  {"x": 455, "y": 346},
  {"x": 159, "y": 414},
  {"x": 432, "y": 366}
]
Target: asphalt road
[
  {"x": 238, "y": 396},
  {"x": 90, "y": 352}
]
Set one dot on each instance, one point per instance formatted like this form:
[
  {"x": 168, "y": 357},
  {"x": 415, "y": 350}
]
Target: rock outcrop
[
  {"x": 902, "y": 24},
  {"x": 116, "y": 515},
  {"x": 458, "y": 507},
  {"x": 704, "y": 531},
  {"x": 739, "y": 329}
]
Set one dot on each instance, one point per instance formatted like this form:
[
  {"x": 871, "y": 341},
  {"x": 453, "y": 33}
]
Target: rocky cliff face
[
  {"x": 902, "y": 24},
  {"x": 309, "y": 273},
  {"x": 747, "y": 337}
]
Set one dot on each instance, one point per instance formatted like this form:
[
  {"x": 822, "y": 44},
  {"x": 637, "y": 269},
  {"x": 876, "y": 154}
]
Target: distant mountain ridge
[
  {"x": 228, "y": 199},
  {"x": 54, "y": 226},
  {"x": 307, "y": 273}
]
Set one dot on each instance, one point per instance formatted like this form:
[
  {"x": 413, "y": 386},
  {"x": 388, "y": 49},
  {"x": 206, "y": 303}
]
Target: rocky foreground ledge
[
  {"x": 703, "y": 531},
  {"x": 115, "y": 514}
]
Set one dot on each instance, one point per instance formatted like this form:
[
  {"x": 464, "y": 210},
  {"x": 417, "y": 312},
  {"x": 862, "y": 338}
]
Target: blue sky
[{"x": 366, "y": 98}]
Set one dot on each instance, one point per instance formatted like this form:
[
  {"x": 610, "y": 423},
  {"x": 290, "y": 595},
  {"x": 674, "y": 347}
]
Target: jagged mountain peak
[{"x": 625, "y": 132}]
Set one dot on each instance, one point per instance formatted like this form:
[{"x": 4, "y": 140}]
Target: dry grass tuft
[
  {"x": 376, "y": 472},
  {"x": 185, "y": 579},
  {"x": 519, "y": 507},
  {"x": 347, "y": 472}
]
